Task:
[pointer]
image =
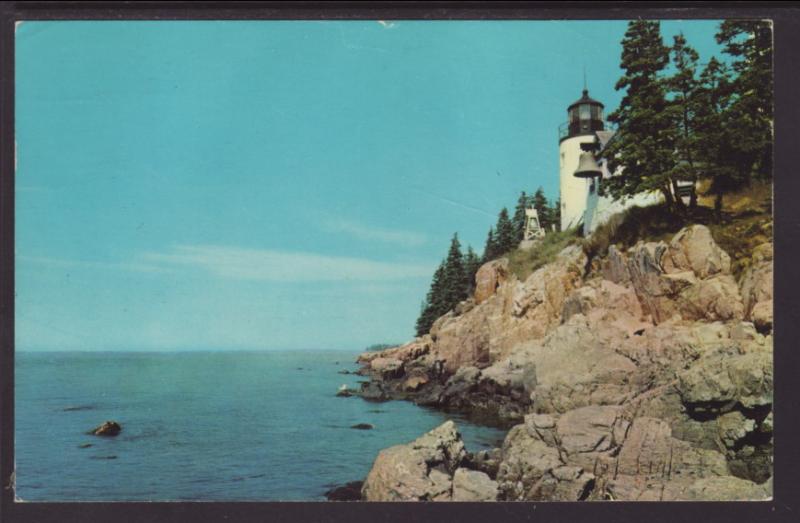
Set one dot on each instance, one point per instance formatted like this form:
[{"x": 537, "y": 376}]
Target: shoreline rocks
[
  {"x": 647, "y": 376},
  {"x": 347, "y": 492}
]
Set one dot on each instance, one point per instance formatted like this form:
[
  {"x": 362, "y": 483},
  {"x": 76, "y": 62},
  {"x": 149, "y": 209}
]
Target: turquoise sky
[{"x": 265, "y": 185}]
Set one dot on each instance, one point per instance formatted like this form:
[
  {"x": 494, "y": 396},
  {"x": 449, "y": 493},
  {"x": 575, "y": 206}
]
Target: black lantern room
[{"x": 585, "y": 116}]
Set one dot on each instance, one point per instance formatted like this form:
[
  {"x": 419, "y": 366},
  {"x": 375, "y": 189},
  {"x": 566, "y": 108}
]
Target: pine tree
[
  {"x": 471, "y": 265},
  {"x": 684, "y": 88},
  {"x": 519, "y": 216},
  {"x": 539, "y": 202},
  {"x": 749, "y": 43},
  {"x": 454, "y": 276},
  {"x": 490, "y": 249},
  {"x": 715, "y": 141},
  {"x": 434, "y": 303},
  {"x": 644, "y": 143},
  {"x": 505, "y": 236}
]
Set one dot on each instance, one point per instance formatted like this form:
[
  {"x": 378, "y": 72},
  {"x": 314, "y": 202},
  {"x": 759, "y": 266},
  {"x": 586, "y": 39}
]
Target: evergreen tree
[
  {"x": 713, "y": 138},
  {"x": 539, "y": 202},
  {"x": 434, "y": 303},
  {"x": 750, "y": 114},
  {"x": 471, "y": 265},
  {"x": 644, "y": 143},
  {"x": 684, "y": 88},
  {"x": 519, "y": 216},
  {"x": 454, "y": 275},
  {"x": 505, "y": 235},
  {"x": 490, "y": 251},
  {"x": 450, "y": 285}
]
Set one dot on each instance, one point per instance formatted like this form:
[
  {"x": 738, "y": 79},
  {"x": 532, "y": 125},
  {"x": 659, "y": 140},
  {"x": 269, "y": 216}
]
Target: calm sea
[{"x": 224, "y": 426}]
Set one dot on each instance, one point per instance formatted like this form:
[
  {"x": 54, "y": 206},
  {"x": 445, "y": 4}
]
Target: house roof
[{"x": 604, "y": 137}]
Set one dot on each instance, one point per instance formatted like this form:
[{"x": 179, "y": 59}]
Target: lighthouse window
[
  {"x": 585, "y": 111},
  {"x": 573, "y": 114}
]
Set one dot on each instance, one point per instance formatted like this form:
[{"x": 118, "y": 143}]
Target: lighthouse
[
  {"x": 584, "y": 121},
  {"x": 582, "y": 168}
]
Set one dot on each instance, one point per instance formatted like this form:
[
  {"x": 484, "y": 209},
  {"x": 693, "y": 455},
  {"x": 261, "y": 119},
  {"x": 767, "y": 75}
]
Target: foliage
[
  {"x": 379, "y": 347},
  {"x": 644, "y": 143},
  {"x": 505, "y": 235},
  {"x": 683, "y": 87},
  {"x": 472, "y": 262},
  {"x": 543, "y": 209},
  {"x": 523, "y": 262},
  {"x": 434, "y": 303},
  {"x": 490, "y": 250},
  {"x": 746, "y": 117},
  {"x": 454, "y": 279},
  {"x": 715, "y": 126},
  {"x": 519, "y": 216},
  {"x": 746, "y": 222},
  {"x": 452, "y": 283}
]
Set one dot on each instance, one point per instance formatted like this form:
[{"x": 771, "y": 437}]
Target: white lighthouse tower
[{"x": 585, "y": 119}]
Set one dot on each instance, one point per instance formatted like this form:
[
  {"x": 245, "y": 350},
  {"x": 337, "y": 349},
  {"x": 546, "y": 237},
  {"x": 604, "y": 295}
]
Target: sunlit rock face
[{"x": 648, "y": 378}]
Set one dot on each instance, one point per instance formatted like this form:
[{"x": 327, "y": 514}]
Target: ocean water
[{"x": 218, "y": 426}]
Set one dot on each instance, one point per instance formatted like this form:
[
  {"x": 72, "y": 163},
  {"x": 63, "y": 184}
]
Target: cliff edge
[{"x": 643, "y": 375}]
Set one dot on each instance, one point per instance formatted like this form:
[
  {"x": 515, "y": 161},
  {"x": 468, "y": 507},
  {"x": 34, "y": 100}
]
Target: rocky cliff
[{"x": 644, "y": 375}]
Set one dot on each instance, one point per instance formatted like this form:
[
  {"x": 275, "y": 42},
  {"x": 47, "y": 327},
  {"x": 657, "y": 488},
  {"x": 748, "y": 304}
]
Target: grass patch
[
  {"x": 746, "y": 222},
  {"x": 522, "y": 263}
]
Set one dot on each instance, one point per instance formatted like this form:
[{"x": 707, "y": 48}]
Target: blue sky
[{"x": 277, "y": 185}]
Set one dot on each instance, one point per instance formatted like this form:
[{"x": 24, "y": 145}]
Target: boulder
[
  {"x": 418, "y": 471},
  {"x": 387, "y": 368},
  {"x": 414, "y": 383},
  {"x": 489, "y": 277},
  {"x": 543, "y": 427},
  {"x": 714, "y": 299},
  {"x": 688, "y": 278},
  {"x": 363, "y": 426},
  {"x": 757, "y": 287},
  {"x": 761, "y": 315},
  {"x": 348, "y": 492},
  {"x": 614, "y": 267},
  {"x": 107, "y": 428},
  {"x": 525, "y": 460},
  {"x": 694, "y": 249},
  {"x": 565, "y": 483},
  {"x": 721, "y": 378},
  {"x": 472, "y": 485},
  {"x": 587, "y": 429},
  {"x": 373, "y": 391},
  {"x": 486, "y": 461},
  {"x": 734, "y": 426}
]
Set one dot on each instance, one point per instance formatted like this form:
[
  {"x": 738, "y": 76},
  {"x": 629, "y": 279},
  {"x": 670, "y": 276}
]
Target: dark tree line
[
  {"x": 454, "y": 279},
  {"x": 452, "y": 283},
  {"x": 709, "y": 121}
]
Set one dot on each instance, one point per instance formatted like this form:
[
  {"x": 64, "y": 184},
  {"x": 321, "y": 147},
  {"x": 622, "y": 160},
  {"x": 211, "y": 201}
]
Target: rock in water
[
  {"x": 108, "y": 428},
  {"x": 344, "y": 392},
  {"x": 348, "y": 492},
  {"x": 363, "y": 426}
]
